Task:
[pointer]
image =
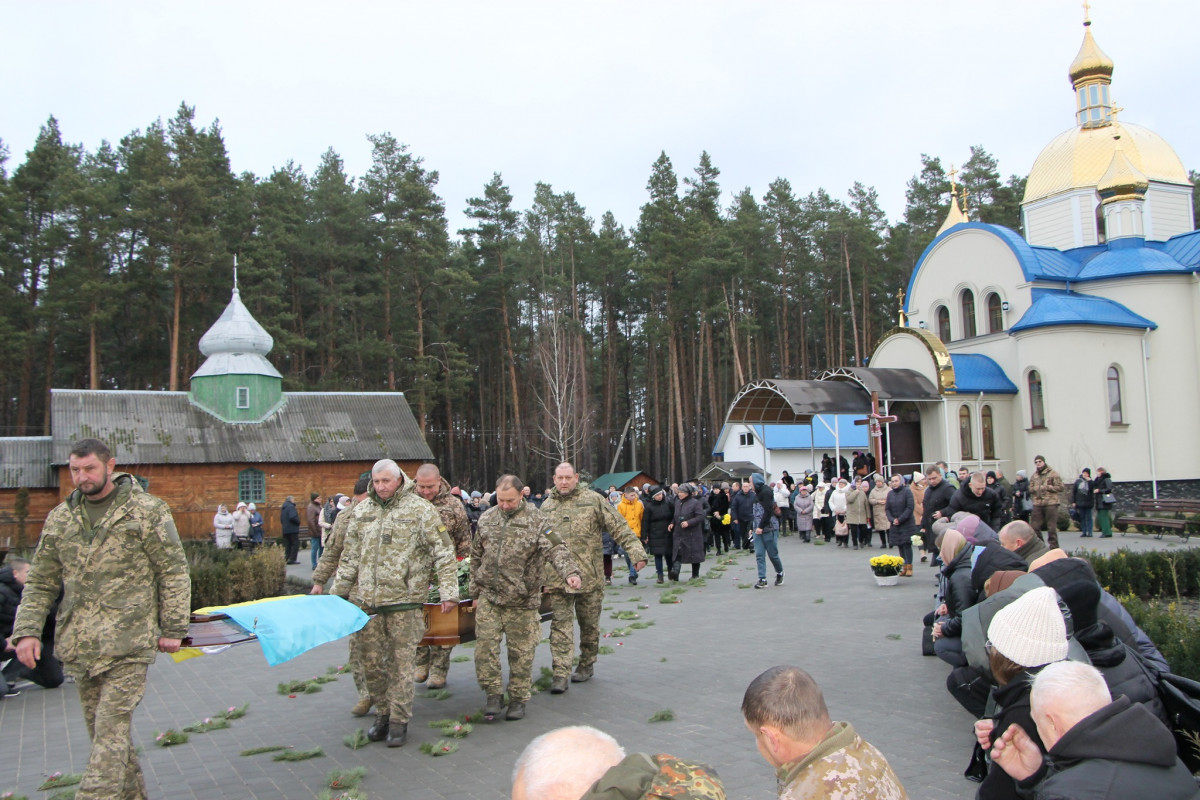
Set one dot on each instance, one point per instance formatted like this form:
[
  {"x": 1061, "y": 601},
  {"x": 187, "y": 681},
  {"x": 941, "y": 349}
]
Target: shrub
[
  {"x": 221, "y": 577},
  {"x": 1169, "y": 574},
  {"x": 1172, "y": 629}
]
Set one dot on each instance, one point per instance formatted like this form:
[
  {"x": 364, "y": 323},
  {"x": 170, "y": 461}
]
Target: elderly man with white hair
[
  {"x": 396, "y": 546},
  {"x": 583, "y": 763},
  {"x": 1096, "y": 747}
]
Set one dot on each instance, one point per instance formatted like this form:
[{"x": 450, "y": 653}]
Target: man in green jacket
[
  {"x": 396, "y": 546},
  {"x": 580, "y": 517},
  {"x": 513, "y": 543},
  {"x": 114, "y": 550}
]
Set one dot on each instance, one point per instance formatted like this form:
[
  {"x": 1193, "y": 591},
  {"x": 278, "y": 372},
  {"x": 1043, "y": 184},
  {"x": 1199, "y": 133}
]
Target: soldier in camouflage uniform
[
  {"x": 325, "y": 570},
  {"x": 395, "y": 547},
  {"x": 513, "y": 544},
  {"x": 114, "y": 549},
  {"x": 813, "y": 756},
  {"x": 580, "y": 517},
  {"x": 433, "y": 662},
  {"x": 588, "y": 764}
]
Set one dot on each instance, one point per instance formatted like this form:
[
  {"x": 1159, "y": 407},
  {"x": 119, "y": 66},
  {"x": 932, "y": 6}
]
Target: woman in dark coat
[
  {"x": 1102, "y": 487},
  {"x": 957, "y": 595},
  {"x": 656, "y": 529},
  {"x": 804, "y": 505},
  {"x": 718, "y": 507},
  {"x": 899, "y": 508},
  {"x": 688, "y": 529}
]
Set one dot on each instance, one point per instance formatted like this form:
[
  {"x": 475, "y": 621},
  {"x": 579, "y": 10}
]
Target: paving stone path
[{"x": 860, "y": 641}]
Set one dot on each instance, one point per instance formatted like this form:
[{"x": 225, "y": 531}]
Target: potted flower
[{"x": 886, "y": 569}]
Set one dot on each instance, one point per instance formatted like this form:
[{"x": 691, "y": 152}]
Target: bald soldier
[
  {"x": 512, "y": 546},
  {"x": 580, "y": 517},
  {"x": 396, "y": 546},
  {"x": 433, "y": 662}
]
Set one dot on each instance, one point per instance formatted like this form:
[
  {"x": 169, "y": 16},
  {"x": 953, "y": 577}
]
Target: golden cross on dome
[
  {"x": 1087, "y": 13},
  {"x": 953, "y": 171},
  {"x": 1114, "y": 112},
  {"x": 965, "y": 195}
]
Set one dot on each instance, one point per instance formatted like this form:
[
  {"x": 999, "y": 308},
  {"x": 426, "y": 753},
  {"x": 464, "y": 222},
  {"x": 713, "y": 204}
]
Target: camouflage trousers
[
  {"x": 388, "y": 657},
  {"x": 568, "y": 607},
  {"x": 108, "y": 701},
  {"x": 355, "y": 663},
  {"x": 521, "y": 629},
  {"x": 436, "y": 658}
]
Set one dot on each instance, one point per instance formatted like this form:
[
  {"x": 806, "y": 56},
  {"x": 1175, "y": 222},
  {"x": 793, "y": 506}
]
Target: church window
[
  {"x": 1115, "y": 415},
  {"x": 964, "y": 432},
  {"x": 989, "y": 432},
  {"x": 252, "y": 486},
  {"x": 968, "y": 312},
  {"x": 243, "y": 397},
  {"x": 943, "y": 323},
  {"x": 746, "y": 439},
  {"x": 1037, "y": 408},
  {"x": 995, "y": 313}
]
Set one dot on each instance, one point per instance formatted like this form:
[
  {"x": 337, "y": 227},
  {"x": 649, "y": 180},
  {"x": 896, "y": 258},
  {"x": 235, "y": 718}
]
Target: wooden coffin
[{"x": 459, "y": 625}]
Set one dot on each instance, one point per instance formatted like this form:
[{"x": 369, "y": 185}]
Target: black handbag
[{"x": 977, "y": 770}]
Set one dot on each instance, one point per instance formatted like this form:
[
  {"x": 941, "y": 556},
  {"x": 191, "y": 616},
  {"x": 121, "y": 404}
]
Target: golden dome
[
  {"x": 1080, "y": 157},
  {"x": 1091, "y": 62},
  {"x": 953, "y": 218},
  {"x": 1122, "y": 180}
]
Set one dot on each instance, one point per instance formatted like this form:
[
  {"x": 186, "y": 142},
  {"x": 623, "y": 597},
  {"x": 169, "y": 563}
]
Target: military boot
[
  {"x": 436, "y": 682},
  {"x": 494, "y": 705},
  {"x": 422, "y": 675},
  {"x": 379, "y": 731},
  {"x": 397, "y": 735},
  {"x": 362, "y": 707},
  {"x": 558, "y": 685},
  {"x": 515, "y": 711},
  {"x": 582, "y": 673}
]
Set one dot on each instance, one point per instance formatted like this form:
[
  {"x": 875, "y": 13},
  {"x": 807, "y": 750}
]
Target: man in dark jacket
[
  {"x": 937, "y": 496},
  {"x": 289, "y": 525},
  {"x": 741, "y": 515},
  {"x": 1095, "y": 747},
  {"x": 48, "y": 673},
  {"x": 976, "y": 498},
  {"x": 1082, "y": 500}
]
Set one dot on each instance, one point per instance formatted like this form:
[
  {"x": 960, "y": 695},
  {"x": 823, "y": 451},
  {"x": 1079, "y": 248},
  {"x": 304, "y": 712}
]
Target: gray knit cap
[{"x": 1031, "y": 630}]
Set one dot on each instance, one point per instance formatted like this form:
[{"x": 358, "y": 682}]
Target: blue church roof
[
  {"x": 1063, "y": 307},
  {"x": 974, "y": 373},
  {"x": 1127, "y": 257}
]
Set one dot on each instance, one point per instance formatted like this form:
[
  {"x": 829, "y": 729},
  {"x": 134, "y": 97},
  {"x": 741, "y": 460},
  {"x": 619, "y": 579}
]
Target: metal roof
[
  {"x": 974, "y": 373},
  {"x": 889, "y": 383},
  {"x": 1058, "y": 307},
  {"x": 728, "y": 469},
  {"x": 166, "y": 428},
  {"x": 619, "y": 479},
  {"x": 795, "y": 401},
  {"x": 25, "y": 462},
  {"x": 1127, "y": 257}
]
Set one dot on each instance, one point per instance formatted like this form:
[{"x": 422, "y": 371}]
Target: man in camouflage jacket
[
  {"x": 396, "y": 546},
  {"x": 513, "y": 544},
  {"x": 326, "y": 567},
  {"x": 115, "y": 551},
  {"x": 580, "y": 517},
  {"x": 1045, "y": 489},
  {"x": 433, "y": 661}
]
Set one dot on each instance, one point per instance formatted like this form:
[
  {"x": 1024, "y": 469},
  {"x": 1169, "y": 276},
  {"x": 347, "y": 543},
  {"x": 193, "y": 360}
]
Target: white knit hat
[{"x": 1031, "y": 631}]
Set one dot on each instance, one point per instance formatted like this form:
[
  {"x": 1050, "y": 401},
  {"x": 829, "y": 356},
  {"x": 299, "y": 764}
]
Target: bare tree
[{"x": 565, "y": 419}]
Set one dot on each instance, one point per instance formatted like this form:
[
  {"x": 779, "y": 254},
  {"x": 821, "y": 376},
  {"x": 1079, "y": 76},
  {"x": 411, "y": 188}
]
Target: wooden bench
[{"x": 1160, "y": 516}]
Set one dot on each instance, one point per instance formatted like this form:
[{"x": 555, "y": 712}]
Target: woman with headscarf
[
  {"x": 656, "y": 529},
  {"x": 241, "y": 525},
  {"x": 804, "y": 507},
  {"x": 879, "y": 518},
  {"x": 837, "y": 506},
  {"x": 223, "y": 528},
  {"x": 917, "y": 487},
  {"x": 256, "y": 524},
  {"x": 687, "y": 527},
  {"x": 1023, "y": 637},
  {"x": 957, "y": 595},
  {"x": 821, "y": 511}
]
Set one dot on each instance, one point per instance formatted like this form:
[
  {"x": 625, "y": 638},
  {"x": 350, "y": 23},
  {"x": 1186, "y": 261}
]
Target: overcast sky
[{"x": 585, "y": 95}]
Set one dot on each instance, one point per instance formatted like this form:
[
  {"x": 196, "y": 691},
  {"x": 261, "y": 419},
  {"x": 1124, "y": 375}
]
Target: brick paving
[{"x": 860, "y": 641}]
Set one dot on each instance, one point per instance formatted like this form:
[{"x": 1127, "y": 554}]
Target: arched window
[
  {"x": 1037, "y": 407},
  {"x": 995, "y": 313},
  {"x": 943, "y": 324},
  {"x": 1115, "y": 415},
  {"x": 964, "y": 432},
  {"x": 968, "y": 312},
  {"x": 989, "y": 434},
  {"x": 252, "y": 486}
]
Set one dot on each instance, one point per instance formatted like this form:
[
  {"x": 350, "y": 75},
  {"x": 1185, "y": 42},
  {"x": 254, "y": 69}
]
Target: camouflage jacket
[
  {"x": 641, "y": 776},
  {"x": 841, "y": 766},
  {"x": 581, "y": 518},
  {"x": 394, "y": 550},
  {"x": 335, "y": 544},
  {"x": 454, "y": 517},
  {"x": 509, "y": 555},
  {"x": 125, "y": 581},
  {"x": 1045, "y": 487}
]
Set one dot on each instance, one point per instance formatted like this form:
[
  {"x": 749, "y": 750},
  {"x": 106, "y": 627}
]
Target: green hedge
[
  {"x": 1172, "y": 629},
  {"x": 221, "y": 577},
  {"x": 1170, "y": 574}
]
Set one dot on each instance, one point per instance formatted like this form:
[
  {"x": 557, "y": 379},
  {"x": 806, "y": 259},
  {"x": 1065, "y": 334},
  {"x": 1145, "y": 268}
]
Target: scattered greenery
[
  {"x": 13, "y": 796},
  {"x": 59, "y": 780},
  {"x": 894, "y": 636},
  {"x": 460, "y": 659},
  {"x": 297, "y": 755},
  {"x": 343, "y": 779},
  {"x": 208, "y": 724},
  {"x": 697, "y": 582},
  {"x": 233, "y": 712},
  {"x": 633, "y": 599},
  {"x": 662, "y": 660},
  {"x": 271, "y": 748},
  {"x": 745, "y": 585},
  {"x": 666, "y": 715},
  {"x": 170, "y": 738},
  {"x": 712, "y": 574},
  {"x": 819, "y": 600},
  {"x": 625, "y": 615},
  {"x": 605, "y": 650},
  {"x": 642, "y": 606},
  {"x": 637, "y": 626},
  {"x": 437, "y": 694},
  {"x": 348, "y": 794},
  {"x": 442, "y": 747},
  {"x": 355, "y": 740}
]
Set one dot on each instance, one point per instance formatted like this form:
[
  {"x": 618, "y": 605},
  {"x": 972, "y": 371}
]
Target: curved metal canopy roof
[{"x": 846, "y": 391}]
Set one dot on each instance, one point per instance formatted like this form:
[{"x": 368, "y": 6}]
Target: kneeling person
[{"x": 512, "y": 543}]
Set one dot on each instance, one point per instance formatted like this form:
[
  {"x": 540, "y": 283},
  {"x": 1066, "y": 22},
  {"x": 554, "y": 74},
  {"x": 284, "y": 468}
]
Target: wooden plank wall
[{"x": 195, "y": 490}]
